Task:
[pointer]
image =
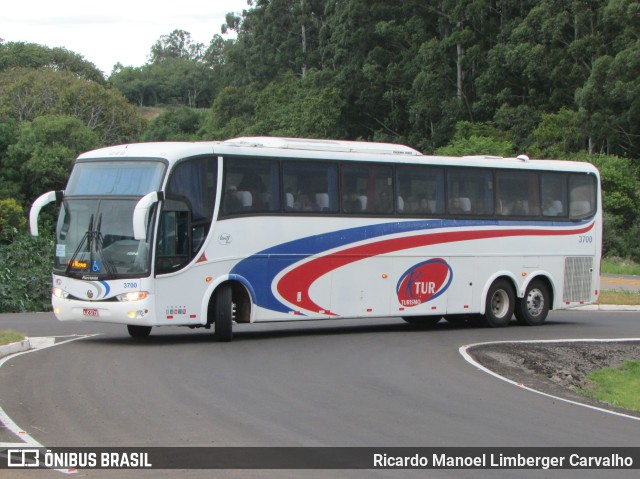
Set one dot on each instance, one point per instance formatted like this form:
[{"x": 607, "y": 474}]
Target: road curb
[
  {"x": 606, "y": 307},
  {"x": 13, "y": 348}
]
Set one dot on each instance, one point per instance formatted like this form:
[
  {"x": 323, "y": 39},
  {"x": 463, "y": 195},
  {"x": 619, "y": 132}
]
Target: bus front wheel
[
  {"x": 500, "y": 304},
  {"x": 224, "y": 312},
  {"x": 533, "y": 308},
  {"x": 138, "y": 331}
]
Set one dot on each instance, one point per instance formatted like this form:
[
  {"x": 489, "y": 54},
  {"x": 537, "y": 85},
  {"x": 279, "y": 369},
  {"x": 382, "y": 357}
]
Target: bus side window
[
  {"x": 310, "y": 187},
  {"x": 470, "y": 191},
  {"x": 251, "y": 186},
  {"x": 553, "y": 189},
  {"x": 420, "y": 190},
  {"x": 370, "y": 185},
  {"x": 517, "y": 193}
]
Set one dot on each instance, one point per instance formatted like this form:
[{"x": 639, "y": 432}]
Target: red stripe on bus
[{"x": 302, "y": 277}]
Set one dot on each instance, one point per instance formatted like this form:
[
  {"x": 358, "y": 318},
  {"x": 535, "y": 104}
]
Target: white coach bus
[{"x": 278, "y": 229}]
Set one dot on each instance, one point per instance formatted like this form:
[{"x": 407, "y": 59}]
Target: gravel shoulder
[{"x": 556, "y": 368}]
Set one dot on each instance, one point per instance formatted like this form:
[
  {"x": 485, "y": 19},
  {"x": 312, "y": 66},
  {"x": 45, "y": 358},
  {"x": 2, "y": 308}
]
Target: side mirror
[
  {"x": 40, "y": 203},
  {"x": 141, "y": 213}
]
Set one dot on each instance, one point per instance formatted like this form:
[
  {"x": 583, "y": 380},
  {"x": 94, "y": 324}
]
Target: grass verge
[
  {"x": 619, "y": 386},
  {"x": 8, "y": 336},
  {"x": 613, "y": 296},
  {"x": 619, "y": 266}
]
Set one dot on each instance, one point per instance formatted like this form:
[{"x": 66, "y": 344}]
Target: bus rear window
[{"x": 582, "y": 196}]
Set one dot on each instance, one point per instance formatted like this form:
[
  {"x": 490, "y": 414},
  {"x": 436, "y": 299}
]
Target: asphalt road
[{"x": 373, "y": 382}]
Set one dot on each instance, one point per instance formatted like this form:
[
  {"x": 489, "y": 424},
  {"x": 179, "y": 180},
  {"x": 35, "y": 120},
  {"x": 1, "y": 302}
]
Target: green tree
[
  {"x": 42, "y": 157},
  {"x": 558, "y": 135},
  {"x": 610, "y": 101},
  {"x": 177, "y": 44},
  {"x": 232, "y": 112},
  {"x": 621, "y": 205},
  {"x": 32, "y": 55},
  {"x": 26, "y": 94},
  {"x": 298, "y": 107},
  {"x": 134, "y": 83},
  {"x": 176, "y": 124},
  {"x": 477, "y": 139},
  {"x": 273, "y": 37}
]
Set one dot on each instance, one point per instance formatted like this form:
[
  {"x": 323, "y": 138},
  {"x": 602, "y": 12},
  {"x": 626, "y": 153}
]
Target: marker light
[{"x": 132, "y": 296}]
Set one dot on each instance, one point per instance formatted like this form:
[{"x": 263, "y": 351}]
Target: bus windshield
[
  {"x": 122, "y": 178},
  {"x": 94, "y": 234}
]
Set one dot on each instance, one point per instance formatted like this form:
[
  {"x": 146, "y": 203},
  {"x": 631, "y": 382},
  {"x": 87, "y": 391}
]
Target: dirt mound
[{"x": 556, "y": 368}]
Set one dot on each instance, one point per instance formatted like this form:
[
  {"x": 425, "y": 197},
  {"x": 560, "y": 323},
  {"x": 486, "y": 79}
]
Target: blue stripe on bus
[{"x": 282, "y": 256}]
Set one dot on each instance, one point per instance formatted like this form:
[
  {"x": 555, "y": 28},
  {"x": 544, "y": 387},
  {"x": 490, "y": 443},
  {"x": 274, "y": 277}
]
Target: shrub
[
  {"x": 25, "y": 274},
  {"x": 11, "y": 220}
]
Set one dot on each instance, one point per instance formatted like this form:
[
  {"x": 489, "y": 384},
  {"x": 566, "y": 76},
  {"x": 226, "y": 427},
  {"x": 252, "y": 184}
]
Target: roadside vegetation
[
  {"x": 8, "y": 336},
  {"x": 615, "y": 265},
  {"x": 619, "y": 386},
  {"x": 624, "y": 298}
]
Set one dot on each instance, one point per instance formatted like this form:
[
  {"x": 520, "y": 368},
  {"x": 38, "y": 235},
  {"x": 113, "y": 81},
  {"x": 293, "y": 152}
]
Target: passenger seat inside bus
[
  {"x": 322, "y": 200},
  {"x": 245, "y": 198},
  {"x": 465, "y": 204}
]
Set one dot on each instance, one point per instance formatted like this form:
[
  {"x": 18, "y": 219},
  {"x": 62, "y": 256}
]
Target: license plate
[{"x": 90, "y": 312}]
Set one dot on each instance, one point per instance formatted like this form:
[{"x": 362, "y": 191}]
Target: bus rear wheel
[
  {"x": 138, "y": 331},
  {"x": 533, "y": 308},
  {"x": 224, "y": 313},
  {"x": 500, "y": 304}
]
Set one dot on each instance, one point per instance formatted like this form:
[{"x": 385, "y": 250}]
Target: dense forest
[{"x": 552, "y": 79}]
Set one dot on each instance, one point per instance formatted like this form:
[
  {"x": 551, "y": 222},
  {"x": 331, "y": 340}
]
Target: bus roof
[{"x": 276, "y": 147}]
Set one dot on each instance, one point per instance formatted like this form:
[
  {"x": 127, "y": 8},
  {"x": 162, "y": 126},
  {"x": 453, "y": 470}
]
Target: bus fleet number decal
[
  {"x": 585, "y": 239},
  {"x": 130, "y": 285}
]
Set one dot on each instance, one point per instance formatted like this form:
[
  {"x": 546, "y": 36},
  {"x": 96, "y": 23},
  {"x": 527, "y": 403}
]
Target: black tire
[
  {"x": 138, "y": 331},
  {"x": 500, "y": 304},
  {"x": 422, "y": 321},
  {"x": 224, "y": 312},
  {"x": 533, "y": 308}
]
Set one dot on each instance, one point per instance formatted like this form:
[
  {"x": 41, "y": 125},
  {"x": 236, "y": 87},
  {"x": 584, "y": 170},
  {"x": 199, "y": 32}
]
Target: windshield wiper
[
  {"x": 86, "y": 239},
  {"x": 98, "y": 242}
]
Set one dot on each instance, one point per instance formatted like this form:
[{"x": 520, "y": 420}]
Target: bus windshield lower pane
[{"x": 95, "y": 237}]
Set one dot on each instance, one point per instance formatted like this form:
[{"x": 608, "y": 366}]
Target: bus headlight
[
  {"x": 132, "y": 296},
  {"x": 59, "y": 293}
]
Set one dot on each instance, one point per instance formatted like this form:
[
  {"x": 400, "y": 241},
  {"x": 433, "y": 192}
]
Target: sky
[{"x": 111, "y": 31}]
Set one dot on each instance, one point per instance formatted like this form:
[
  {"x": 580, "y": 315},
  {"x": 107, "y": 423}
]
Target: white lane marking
[
  {"x": 470, "y": 360},
  {"x": 39, "y": 344}
]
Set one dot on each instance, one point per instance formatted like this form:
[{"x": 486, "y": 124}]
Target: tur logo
[{"x": 424, "y": 282}]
